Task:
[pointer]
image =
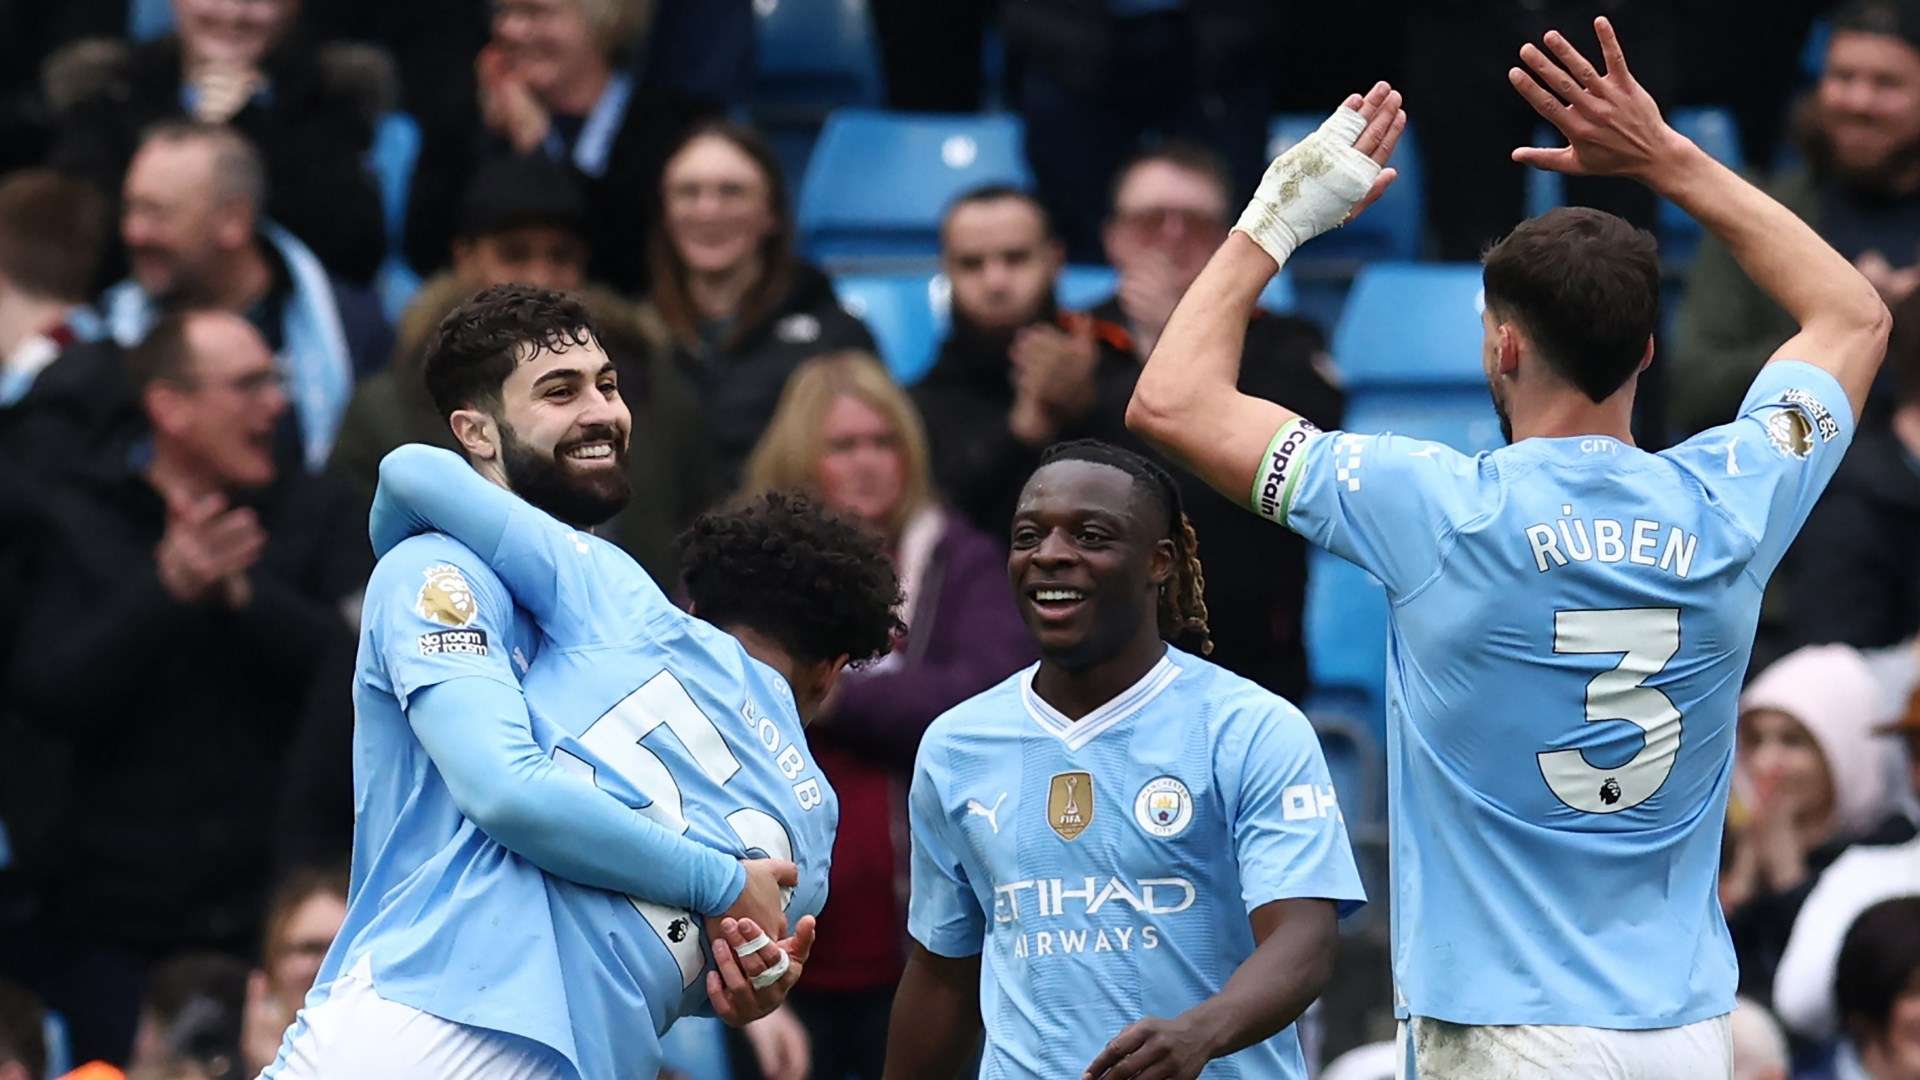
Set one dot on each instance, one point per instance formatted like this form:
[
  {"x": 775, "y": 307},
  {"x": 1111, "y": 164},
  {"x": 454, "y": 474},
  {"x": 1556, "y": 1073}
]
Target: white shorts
[
  {"x": 1437, "y": 1050},
  {"x": 360, "y": 1035}
]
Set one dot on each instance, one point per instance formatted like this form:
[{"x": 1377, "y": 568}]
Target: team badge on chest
[
  {"x": 1070, "y": 803},
  {"x": 1164, "y": 807}
]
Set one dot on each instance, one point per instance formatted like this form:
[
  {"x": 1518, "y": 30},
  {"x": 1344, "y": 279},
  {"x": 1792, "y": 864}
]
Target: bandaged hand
[{"x": 1324, "y": 179}]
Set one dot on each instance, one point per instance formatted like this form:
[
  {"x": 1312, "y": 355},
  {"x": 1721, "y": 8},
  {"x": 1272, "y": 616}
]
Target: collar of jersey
[{"x": 1123, "y": 706}]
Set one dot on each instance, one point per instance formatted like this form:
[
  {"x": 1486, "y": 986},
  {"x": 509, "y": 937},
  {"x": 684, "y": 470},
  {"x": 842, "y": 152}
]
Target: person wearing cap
[
  {"x": 1859, "y": 187},
  {"x": 1861, "y": 877},
  {"x": 1809, "y": 783},
  {"x": 526, "y": 221}
]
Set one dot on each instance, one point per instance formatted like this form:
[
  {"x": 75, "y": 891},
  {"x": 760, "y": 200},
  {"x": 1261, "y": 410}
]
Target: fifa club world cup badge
[
  {"x": 1070, "y": 804},
  {"x": 1164, "y": 807}
]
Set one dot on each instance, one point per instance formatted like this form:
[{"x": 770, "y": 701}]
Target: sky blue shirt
[
  {"x": 1570, "y": 621},
  {"x": 1106, "y": 866},
  {"x": 660, "y": 710}
]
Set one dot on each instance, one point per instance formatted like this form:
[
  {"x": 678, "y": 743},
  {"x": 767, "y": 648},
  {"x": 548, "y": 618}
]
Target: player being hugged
[
  {"x": 1571, "y": 617},
  {"x": 1127, "y": 861},
  {"x": 562, "y": 779}
]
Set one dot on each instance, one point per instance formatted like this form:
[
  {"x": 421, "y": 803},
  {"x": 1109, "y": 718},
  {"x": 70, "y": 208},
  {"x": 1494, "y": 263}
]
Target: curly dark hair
[
  {"x": 1183, "y": 599},
  {"x": 816, "y": 583},
  {"x": 476, "y": 345}
]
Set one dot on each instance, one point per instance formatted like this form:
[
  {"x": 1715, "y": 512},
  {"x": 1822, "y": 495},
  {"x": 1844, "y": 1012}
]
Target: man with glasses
[
  {"x": 1169, "y": 214},
  {"x": 173, "y": 614}
]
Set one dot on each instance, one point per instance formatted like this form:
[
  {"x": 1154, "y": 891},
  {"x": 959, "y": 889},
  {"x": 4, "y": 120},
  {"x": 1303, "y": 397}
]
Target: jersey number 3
[
  {"x": 618, "y": 739},
  {"x": 1648, "y": 638}
]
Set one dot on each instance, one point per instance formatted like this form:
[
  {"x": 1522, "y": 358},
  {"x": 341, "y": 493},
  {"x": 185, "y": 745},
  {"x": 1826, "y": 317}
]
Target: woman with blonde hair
[{"x": 843, "y": 429}]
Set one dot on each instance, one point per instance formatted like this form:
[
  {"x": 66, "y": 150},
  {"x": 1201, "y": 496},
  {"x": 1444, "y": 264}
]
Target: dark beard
[
  {"x": 581, "y": 501},
  {"x": 1499, "y": 410}
]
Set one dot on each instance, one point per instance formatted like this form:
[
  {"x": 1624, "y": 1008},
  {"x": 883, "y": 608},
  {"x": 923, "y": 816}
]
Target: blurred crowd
[{"x": 184, "y": 498}]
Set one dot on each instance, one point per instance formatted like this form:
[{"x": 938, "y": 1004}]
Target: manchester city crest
[{"x": 1164, "y": 807}]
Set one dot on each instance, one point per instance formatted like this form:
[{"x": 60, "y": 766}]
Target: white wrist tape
[
  {"x": 772, "y": 975},
  {"x": 1311, "y": 188},
  {"x": 750, "y": 947}
]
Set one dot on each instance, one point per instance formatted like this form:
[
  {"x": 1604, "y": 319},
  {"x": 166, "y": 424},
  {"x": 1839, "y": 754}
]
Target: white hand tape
[
  {"x": 772, "y": 975},
  {"x": 1311, "y": 188},
  {"x": 754, "y": 946}
]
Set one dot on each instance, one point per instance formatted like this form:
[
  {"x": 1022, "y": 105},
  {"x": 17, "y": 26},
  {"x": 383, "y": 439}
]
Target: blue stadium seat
[
  {"x": 1408, "y": 346},
  {"x": 878, "y": 182},
  {"x": 817, "y": 53},
  {"x": 1411, "y": 324},
  {"x": 1710, "y": 126},
  {"x": 906, "y": 312},
  {"x": 1083, "y": 286},
  {"x": 1391, "y": 228}
]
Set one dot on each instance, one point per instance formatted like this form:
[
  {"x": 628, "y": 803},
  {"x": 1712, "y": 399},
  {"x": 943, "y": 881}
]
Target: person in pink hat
[{"x": 1809, "y": 783}]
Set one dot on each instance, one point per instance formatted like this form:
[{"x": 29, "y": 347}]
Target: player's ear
[
  {"x": 1646, "y": 357},
  {"x": 476, "y": 432},
  {"x": 1160, "y": 565},
  {"x": 1507, "y": 354}
]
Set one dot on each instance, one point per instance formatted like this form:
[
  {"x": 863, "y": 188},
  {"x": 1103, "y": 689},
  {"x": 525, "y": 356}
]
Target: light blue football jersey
[
  {"x": 658, "y": 708},
  {"x": 1570, "y": 622},
  {"x": 1106, "y": 866}
]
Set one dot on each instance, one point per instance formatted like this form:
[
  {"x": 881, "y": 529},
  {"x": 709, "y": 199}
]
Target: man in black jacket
[
  {"x": 1015, "y": 374},
  {"x": 1858, "y": 583},
  {"x": 1168, "y": 214},
  {"x": 175, "y": 614}
]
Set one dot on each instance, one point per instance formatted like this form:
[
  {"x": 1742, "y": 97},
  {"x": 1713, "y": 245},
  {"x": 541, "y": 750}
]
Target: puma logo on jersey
[
  {"x": 975, "y": 806},
  {"x": 1424, "y": 452}
]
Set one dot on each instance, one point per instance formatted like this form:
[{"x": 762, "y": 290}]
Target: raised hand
[
  {"x": 1612, "y": 125},
  {"x": 1325, "y": 179}
]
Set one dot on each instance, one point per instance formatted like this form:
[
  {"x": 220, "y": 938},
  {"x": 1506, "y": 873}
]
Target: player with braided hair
[
  {"x": 1121, "y": 827},
  {"x": 1183, "y": 599}
]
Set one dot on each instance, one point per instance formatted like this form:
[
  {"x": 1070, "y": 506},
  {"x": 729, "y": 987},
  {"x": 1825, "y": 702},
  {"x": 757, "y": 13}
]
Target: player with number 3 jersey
[{"x": 1570, "y": 616}]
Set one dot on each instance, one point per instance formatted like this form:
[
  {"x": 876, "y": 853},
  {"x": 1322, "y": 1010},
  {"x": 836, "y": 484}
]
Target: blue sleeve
[
  {"x": 943, "y": 912},
  {"x": 1386, "y": 503},
  {"x": 438, "y": 620},
  {"x": 434, "y": 612},
  {"x": 1768, "y": 467},
  {"x": 480, "y": 739},
  {"x": 1289, "y": 836},
  {"x": 580, "y": 589}
]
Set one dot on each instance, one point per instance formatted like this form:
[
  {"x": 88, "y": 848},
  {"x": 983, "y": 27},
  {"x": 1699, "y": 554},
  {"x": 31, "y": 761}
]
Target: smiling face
[
  {"x": 546, "y": 42},
  {"x": 221, "y": 411},
  {"x": 179, "y": 227},
  {"x": 1868, "y": 101},
  {"x": 1086, "y": 564},
  {"x": 232, "y": 32},
  {"x": 562, "y": 433},
  {"x": 719, "y": 205}
]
